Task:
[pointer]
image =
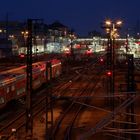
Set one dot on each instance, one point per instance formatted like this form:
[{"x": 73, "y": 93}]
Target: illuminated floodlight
[
  {"x": 119, "y": 22},
  {"x": 108, "y": 22},
  {"x": 107, "y": 30},
  {"x": 26, "y": 32}
]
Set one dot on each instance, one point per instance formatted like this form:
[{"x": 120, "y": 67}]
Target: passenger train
[{"x": 13, "y": 81}]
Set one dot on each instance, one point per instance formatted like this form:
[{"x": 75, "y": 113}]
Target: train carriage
[
  {"x": 39, "y": 76},
  {"x": 7, "y": 88},
  {"x": 2, "y": 91},
  {"x": 56, "y": 68},
  {"x": 20, "y": 85},
  {"x": 13, "y": 82}
]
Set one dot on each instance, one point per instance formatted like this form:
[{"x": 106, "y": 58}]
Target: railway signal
[
  {"x": 22, "y": 55},
  {"x": 109, "y": 73},
  {"x": 101, "y": 60}
]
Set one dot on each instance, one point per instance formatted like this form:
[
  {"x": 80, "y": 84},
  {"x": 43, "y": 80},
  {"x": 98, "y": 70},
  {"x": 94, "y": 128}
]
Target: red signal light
[
  {"x": 126, "y": 43},
  {"x": 109, "y": 73},
  {"x": 21, "y": 55},
  {"x": 101, "y": 60}
]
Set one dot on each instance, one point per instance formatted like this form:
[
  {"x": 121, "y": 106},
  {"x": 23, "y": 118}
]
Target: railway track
[
  {"x": 19, "y": 121},
  {"x": 108, "y": 119},
  {"x": 64, "y": 126},
  {"x": 38, "y": 107}
]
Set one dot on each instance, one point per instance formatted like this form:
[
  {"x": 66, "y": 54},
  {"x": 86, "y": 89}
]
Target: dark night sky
[{"x": 81, "y": 15}]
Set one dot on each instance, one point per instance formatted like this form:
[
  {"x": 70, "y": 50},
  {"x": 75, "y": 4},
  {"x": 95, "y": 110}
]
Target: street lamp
[
  {"x": 111, "y": 28},
  {"x": 25, "y": 35},
  {"x": 72, "y": 37},
  {"x": 108, "y": 22},
  {"x": 119, "y": 23}
]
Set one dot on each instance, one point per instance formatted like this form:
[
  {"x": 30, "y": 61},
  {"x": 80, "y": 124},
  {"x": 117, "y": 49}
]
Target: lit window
[
  {"x": 13, "y": 88},
  {"x": 8, "y": 90},
  {"x": 1, "y": 100},
  {"x": 20, "y": 91}
]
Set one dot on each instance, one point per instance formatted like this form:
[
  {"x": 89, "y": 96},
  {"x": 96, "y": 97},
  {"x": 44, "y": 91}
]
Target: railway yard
[{"x": 76, "y": 106}]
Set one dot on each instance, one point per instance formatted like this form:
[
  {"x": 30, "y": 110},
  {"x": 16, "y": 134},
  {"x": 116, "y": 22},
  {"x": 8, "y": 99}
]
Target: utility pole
[
  {"x": 71, "y": 44},
  {"x": 35, "y": 42},
  {"x": 49, "y": 103},
  {"x": 29, "y": 86},
  {"x": 111, "y": 29},
  {"x": 109, "y": 66},
  {"x": 111, "y": 70},
  {"x": 131, "y": 91},
  {"x": 7, "y": 24},
  {"x": 29, "y": 116},
  {"x": 126, "y": 44}
]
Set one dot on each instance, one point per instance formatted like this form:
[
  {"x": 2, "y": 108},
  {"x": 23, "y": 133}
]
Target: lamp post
[
  {"x": 111, "y": 28},
  {"x": 25, "y": 36},
  {"x": 72, "y": 37}
]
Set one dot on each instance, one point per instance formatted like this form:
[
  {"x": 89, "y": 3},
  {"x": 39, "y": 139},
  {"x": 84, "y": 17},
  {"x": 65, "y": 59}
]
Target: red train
[{"x": 13, "y": 82}]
